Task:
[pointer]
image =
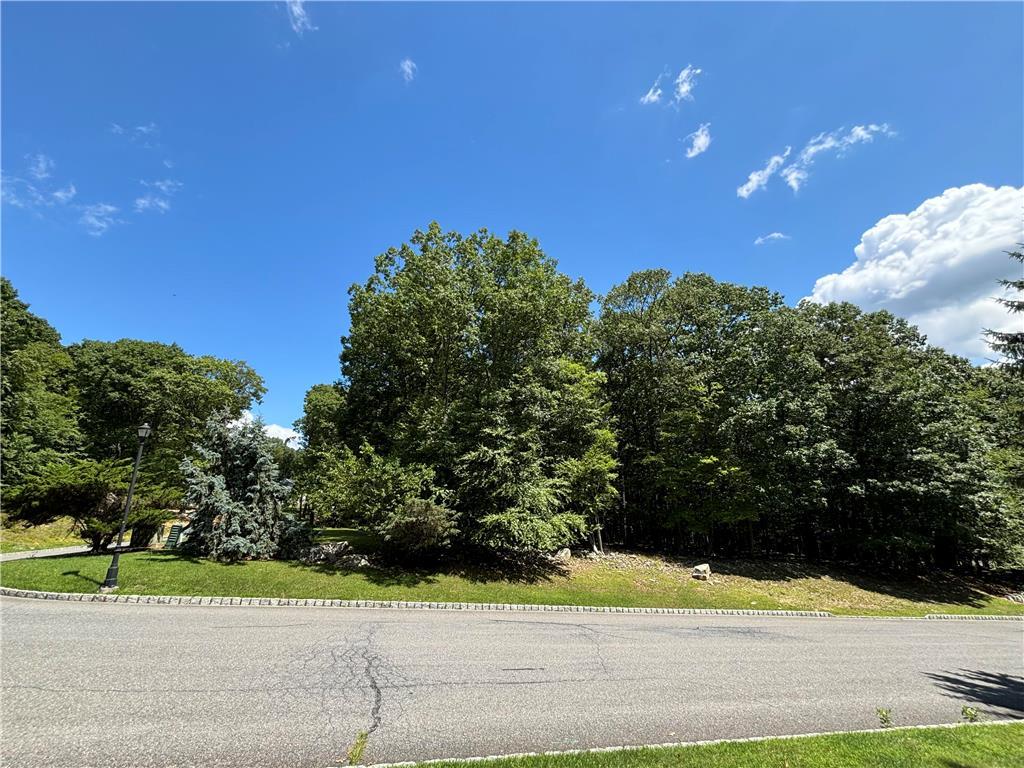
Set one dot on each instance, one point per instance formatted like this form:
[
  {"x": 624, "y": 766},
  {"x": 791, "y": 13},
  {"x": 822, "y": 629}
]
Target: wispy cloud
[
  {"x": 116, "y": 128},
  {"x": 37, "y": 192},
  {"x": 152, "y": 203},
  {"x": 165, "y": 186},
  {"x": 700, "y": 140},
  {"x": 157, "y": 202},
  {"x": 797, "y": 173},
  {"x": 758, "y": 179},
  {"x": 65, "y": 194},
  {"x": 408, "y": 69},
  {"x": 98, "y": 218},
  {"x": 771, "y": 236},
  {"x": 686, "y": 80},
  {"x": 299, "y": 18},
  {"x": 653, "y": 95},
  {"x": 39, "y": 166}
]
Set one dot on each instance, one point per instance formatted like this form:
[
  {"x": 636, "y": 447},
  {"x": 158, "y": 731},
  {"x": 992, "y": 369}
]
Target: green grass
[
  {"x": 18, "y": 537},
  {"x": 976, "y": 746},
  {"x": 363, "y": 542},
  {"x": 623, "y": 580}
]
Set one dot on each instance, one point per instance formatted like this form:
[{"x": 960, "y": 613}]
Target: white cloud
[
  {"x": 152, "y": 203},
  {"x": 165, "y": 186},
  {"x": 685, "y": 82},
  {"x": 149, "y": 129},
  {"x": 39, "y": 166},
  {"x": 98, "y": 218},
  {"x": 769, "y": 237},
  {"x": 116, "y": 129},
  {"x": 291, "y": 438},
  {"x": 168, "y": 164},
  {"x": 64, "y": 194},
  {"x": 408, "y": 69},
  {"x": 700, "y": 140},
  {"x": 757, "y": 179},
  {"x": 797, "y": 173},
  {"x": 653, "y": 95},
  {"x": 938, "y": 266},
  {"x": 299, "y": 18}
]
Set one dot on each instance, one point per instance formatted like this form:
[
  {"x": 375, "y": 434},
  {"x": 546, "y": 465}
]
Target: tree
[
  {"x": 124, "y": 383},
  {"x": 38, "y": 403},
  {"x": 91, "y": 492},
  {"x": 471, "y": 357},
  {"x": 1010, "y": 344},
  {"x": 322, "y": 414},
  {"x": 233, "y": 487}
]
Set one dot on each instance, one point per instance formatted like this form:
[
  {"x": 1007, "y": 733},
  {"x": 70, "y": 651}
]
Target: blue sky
[{"x": 218, "y": 174}]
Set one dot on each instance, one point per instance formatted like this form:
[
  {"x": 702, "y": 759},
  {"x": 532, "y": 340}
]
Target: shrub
[
  {"x": 91, "y": 493},
  {"x": 420, "y": 525}
]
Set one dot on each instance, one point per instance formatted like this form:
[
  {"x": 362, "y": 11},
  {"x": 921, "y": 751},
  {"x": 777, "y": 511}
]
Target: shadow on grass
[
  {"x": 935, "y": 587},
  {"x": 88, "y": 581},
  {"x": 384, "y": 574},
  {"x": 993, "y": 689}
]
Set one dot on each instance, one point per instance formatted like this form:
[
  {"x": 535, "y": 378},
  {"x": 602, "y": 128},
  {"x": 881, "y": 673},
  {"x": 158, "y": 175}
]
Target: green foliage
[
  {"x": 468, "y": 364},
  {"x": 92, "y": 493},
  {"x": 1010, "y": 344},
  {"x": 38, "y": 403},
  {"x": 884, "y": 717},
  {"x": 969, "y": 714},
  {"x": 234, "y": 489},
  {"x": 124, "y": 383}
]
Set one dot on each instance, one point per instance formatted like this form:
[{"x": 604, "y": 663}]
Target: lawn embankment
[
  {"x": 975, "y": 746},
  {"x": 616, "y": 580},
  {"x": 19, "y": 537}
]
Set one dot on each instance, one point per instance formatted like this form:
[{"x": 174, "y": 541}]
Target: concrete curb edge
[
  {"x": 288, "y": 602},
  {"x": 96, "y": 597}
]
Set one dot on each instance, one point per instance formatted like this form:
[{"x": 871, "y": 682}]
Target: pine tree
[
  {"x": 234, "y": 489},
  {"x": 1010, "y": 344}
]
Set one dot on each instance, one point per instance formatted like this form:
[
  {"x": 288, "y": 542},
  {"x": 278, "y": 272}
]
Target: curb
[
  {"x": 289, "y": 602},
  {"x": 95, "y": 597},
  {"x": 973, "y": 617},
  {"x": 676, "y": 744}
]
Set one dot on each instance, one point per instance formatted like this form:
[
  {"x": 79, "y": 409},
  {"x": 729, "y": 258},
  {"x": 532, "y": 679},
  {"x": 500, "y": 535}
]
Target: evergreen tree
[
  {"x": 233, "y": 487},
  {"x": 1010, "y": 344}
]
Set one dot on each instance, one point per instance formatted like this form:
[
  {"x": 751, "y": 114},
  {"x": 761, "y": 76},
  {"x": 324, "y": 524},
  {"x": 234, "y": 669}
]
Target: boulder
[
  {"x": 564, "y": 554},
  {"x": 702, "y": 572}
]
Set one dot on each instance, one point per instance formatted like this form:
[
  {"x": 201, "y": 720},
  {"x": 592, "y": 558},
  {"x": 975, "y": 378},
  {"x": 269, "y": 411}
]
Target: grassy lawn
[
  {"x": 18, "y": 537},
  {"x": 981, "y": 746},
  {"x": 618, "y": 580}
]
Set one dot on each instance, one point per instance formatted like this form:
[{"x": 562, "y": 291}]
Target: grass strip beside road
[
  {"x": 628, "y": 582},
  {"x": 969, "y": 746}
]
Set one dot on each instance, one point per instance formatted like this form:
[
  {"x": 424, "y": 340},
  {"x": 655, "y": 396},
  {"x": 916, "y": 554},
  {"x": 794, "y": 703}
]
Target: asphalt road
[{"x": 91, "y": 684}]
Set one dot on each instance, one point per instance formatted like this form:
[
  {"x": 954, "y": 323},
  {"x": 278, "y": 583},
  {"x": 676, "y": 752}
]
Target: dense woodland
[{"x": 489, "y": 404}]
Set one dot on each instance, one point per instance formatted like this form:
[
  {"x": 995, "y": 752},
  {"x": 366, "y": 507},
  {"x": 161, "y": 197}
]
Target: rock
[
  {"x": 329, "y": 553},
  {"x": 702, "y": 572},
  {"x": 564, "y": 554}
]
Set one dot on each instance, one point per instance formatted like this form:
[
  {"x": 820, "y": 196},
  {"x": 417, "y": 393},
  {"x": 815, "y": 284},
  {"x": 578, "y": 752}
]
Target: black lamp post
[{"x": 110, "y": 582}]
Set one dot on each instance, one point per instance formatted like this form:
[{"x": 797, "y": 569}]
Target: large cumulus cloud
[{"x": 938, "y": 266}]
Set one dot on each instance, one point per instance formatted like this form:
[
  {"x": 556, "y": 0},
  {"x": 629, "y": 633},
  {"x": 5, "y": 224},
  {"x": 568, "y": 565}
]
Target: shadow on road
[{"x": 994, "y": 689}]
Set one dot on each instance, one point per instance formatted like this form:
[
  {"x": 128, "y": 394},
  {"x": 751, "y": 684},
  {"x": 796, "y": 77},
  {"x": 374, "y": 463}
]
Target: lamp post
[{"x": 110, "y": 583}]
